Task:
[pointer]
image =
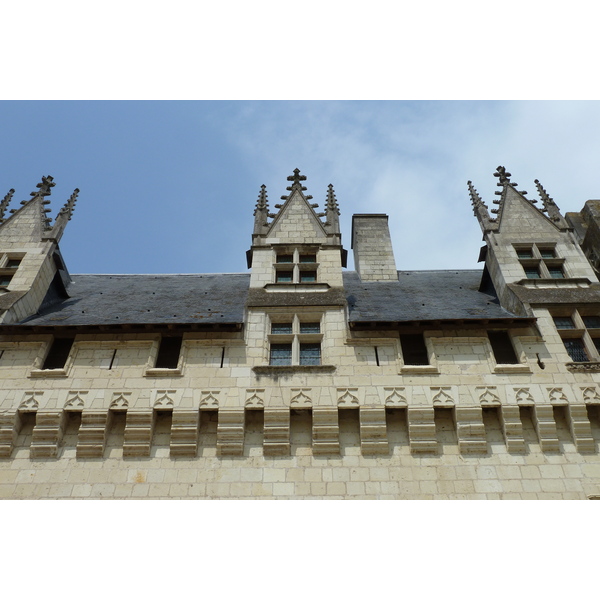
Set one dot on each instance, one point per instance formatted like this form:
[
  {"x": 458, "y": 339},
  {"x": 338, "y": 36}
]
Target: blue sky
[{"x": 170, "y": 186}]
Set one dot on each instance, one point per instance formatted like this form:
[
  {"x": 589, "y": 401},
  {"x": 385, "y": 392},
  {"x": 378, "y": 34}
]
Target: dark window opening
[
  {"x": 58, "y": 353},
  {"x": 284, "y": 277},
  {"x": 308, "y": 276},
  {"x": 310, "y": 354},
  {"x": 547, "y": 252},
  {"x": 168, "y": 353},
  {"x": 414, "y": 350},
  {"x": 310, "y": 328},
  {"x": 281, "y": 328},
  {"x": 308, "y": 258},
  {"x": 502, "y": 347},
  {"x": 281, "y": 354},
  {"x": 564, "y": 323},
  {"x": 556, "y": 272},
  {"x": 285, "y": 258},
  {"x": 5, "y": 280},
  {"x": 592, "y": 322},
  {"x": 524, "y": 253},
  {"x": 532, "y": 272},
  {"x": 576, "y": 350},
  {"x": 13, "y": 263}
]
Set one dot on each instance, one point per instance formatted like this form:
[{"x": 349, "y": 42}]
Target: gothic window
[
  {"x": 580, "y": 334},
  {"x": 540, "y": 261},
  {"x": 295, "y": 342}
]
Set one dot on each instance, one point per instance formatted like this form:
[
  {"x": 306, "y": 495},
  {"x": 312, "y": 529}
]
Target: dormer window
[
  {"x": 294, "y": 267},
  {"x": 540, "y": 262}
]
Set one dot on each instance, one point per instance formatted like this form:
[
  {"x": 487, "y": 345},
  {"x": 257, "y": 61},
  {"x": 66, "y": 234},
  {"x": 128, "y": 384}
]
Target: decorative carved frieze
[
  {"x": 230, "y": 432},
  {"x": 581, "y": 428},
  {"x": 91, "y": 440},
  {"x": 10, "y": 425},
  {"x": 470, "y": 429},
  {"x": 325, "y": 430},
  {"x": 545, "y": 426},
  {"x": 512, "y": 428},
  {"x": 139, "y": 428},
  {"x": 421, "y": 430},
  {"x": 184, "y": 433},
  {"x": 276, "y": 441},
  {"x": 47, "y": 434},
  {"x": 373, "y": 430}
]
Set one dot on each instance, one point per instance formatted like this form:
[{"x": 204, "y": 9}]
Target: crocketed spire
[{"x": 4, "y": 204}]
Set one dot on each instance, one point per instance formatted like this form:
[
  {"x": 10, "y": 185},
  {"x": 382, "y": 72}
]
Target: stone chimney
[{"x": 372, "y": 245}]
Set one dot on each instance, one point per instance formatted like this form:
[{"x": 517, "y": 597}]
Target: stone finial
[
  {"x": 332, "y": 211},
  {"x": 69, "y": 207},
  {"x": 4, "y": 204},
  {"x": 296, "y": 178},
  {"x": 262, "y": 203},
  {"x": 480, "y": 209},
  {"x": 261, "y": 212},
  {"x": 550, "y": 206},
  {"x": 504, "y": 181},
  {"x": 331, "y": 203},
  {"x": 44, "y": 189}
]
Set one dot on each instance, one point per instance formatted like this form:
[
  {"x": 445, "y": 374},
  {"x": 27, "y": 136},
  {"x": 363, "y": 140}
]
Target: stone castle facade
[{"x": 301, "y": 379}]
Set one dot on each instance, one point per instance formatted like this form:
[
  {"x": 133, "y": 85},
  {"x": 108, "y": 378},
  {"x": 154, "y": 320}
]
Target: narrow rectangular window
[
  {"x": 284, "y": 276},
  {"x": 168, "y": 353},
  {"x": 285, "y": 258},
  {"x": 308, "y": 258},
  {"x": 310, "y": 328},
  {"x": 592, "y": 322},
  {"x": 564, "y": 323},
  {"x": 547, "y": 252},
  {"x": 414, "y": 350},
  {"x": 556, "y": 272},
  {"x": 503, "y": 350},
  {"x": 281, "y": 328},
  {"x": 576, "y": 350},
  {"x": 532, "y": 272},
  {"x": 281, "y": 354},
  {"x": 13, "y": 263},
  {"x": 5, "y": 280},
  {"x": 524, "y": 253},
  {"x": 308, "y": 276},
  {"x": 58, "y": 353},
  {"x": 310, "y": 354}
]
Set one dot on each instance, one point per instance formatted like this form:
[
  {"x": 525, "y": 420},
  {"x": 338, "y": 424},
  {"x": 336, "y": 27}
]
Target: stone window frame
[
  {"x": 537, "y": 260},
  {"x": 296, "y": 266},
  {"x": 6, "y": 272},
  {"x": 432, "y": 367},
  {"x": 521, "y": 366},
  {"x": 38, "y": 371},
  {"x": 579, "y": 331},
  {"x": 296, "y": 337},
  {"x": 152, "y": 371}
]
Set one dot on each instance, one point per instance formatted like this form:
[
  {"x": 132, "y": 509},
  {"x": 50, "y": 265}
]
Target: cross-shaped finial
[{"x": 296, "y": 177}]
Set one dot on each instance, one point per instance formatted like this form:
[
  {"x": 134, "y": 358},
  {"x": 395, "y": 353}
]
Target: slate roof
[
  {"x": 140, "y": 299},
  {"x": 220, "y": 299},
  {"x": 422, "y": 296}
]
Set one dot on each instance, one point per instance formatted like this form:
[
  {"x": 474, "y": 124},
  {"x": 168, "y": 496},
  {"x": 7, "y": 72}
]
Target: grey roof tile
[{"x": 221, "y": 298}]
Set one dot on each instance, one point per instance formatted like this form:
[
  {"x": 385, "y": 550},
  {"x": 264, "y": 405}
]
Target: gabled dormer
[
  {"x": 531, "y": 254},
  {"x": 31, "y": 267},
  {"x": 294, "y": 249}
]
